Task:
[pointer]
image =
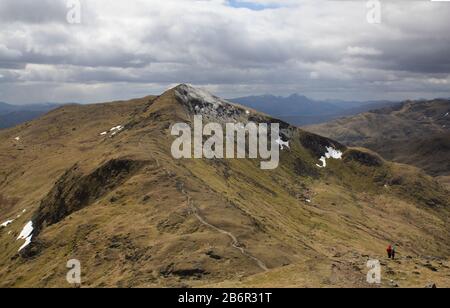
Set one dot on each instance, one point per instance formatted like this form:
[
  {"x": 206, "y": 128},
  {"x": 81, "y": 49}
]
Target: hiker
[
  {"x": 394, "y": 251},
  {"x": 389, "y": 251}
]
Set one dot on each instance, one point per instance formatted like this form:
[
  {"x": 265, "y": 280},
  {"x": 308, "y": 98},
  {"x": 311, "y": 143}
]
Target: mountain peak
[
  {"x": 201, "y": 102},
  {"x": 188, "y": 93},
  {"x": 199, "y": 222}
]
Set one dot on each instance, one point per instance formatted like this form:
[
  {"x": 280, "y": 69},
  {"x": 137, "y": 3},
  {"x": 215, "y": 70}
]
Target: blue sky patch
[{"x": 251, "y": 5}]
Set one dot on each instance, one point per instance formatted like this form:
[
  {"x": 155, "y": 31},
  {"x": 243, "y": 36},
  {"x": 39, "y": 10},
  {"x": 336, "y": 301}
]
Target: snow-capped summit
[
  {"x": 211, "y": 107},
  {"x": 189, "y": 93}
]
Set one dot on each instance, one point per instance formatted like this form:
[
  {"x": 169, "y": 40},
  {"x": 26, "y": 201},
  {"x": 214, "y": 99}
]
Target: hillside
[
  {"x": 415, "y": 133},
  {"x": 98, "y": 183}
]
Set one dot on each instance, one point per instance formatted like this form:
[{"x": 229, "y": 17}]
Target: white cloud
[{"x": 363, "y": 51}]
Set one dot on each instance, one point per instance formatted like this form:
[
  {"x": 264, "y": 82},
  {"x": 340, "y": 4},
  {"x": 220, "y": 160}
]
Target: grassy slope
[
  {"x": 415, "y": 133},
  {"x": 144, "y": 233}
]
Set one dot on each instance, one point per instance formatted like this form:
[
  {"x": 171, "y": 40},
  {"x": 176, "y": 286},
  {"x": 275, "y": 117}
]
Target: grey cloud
[
  {"x": 32, "y": 11},
  {"x": 321, "y": 49}
]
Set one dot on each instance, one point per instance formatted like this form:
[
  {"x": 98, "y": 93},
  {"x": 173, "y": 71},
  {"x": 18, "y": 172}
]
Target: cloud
[
  {"x": 318, "y": 48},
  {"x": 363, "y": 51},
  {"x": 31, "y": 11}
]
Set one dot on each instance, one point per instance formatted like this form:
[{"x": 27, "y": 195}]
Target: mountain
[
  {"x": 413, "y": 132},
  {"x": 98, "y": 183},
  {"x": 11, "y": 115},
  {"x": 299, "y": 110}
]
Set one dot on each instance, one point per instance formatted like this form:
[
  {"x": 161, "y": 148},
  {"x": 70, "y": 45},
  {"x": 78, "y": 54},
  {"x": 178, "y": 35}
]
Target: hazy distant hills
[
  {"x": 295, "y": 109},
  {"x": 12, "y": 115},
  {"x": 300, "y": 110}
]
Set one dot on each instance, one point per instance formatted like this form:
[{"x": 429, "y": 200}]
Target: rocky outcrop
[
  {"x": 317, "y": 145},
  {"x": 364, "y": 158},
  {"x": 75, "y": 190}
]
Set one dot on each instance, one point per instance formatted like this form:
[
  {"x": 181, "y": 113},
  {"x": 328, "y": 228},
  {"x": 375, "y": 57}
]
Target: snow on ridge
[
  {"x": 324, "y": 162},
  {"x": 6, "y": 223},
  {"x": 26, "y": 234},
  {"x": 282, "y": 143},
  {"x": 188, "y": 93},
  {"x": 118, "y": 127},
  {"x": 331, "y": 153},
  {"x": 114, "y": 130}
]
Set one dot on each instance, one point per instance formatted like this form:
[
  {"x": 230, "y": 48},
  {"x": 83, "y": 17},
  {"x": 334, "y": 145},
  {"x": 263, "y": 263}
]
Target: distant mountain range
[
  {"x": 12, "y": 115},
  {"x": 300, "y": 110}
]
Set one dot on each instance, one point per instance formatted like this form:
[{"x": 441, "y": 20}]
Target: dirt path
[{"x": 234, "y": 241}]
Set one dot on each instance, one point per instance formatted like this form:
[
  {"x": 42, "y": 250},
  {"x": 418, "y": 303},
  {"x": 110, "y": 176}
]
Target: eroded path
[{"x": 234, "y": 241}]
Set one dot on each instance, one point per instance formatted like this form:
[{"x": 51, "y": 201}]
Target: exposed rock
[
  {"x": 363, "y": 158},
  {"x": 430, "y": 267},
  {"x": 394, "y": 284},
  {"x": 390, "y": 272},
  {"x": 182, "y": 271},
  {"x": 317, "y": 145},
  {"x": 212, "y": 255}
]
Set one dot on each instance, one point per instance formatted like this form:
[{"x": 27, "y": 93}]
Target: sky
[{"x": 125, "y": 49}]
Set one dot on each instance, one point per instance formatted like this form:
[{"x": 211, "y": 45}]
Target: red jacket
[{"x": 389, "y": 249}]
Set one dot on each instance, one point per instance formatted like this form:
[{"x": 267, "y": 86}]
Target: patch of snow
[
  {"x": 115, "y": 130},
  {"x": 26, "y": 234},
  {"x": 6, "y": 223},
  {"x": 103, "y": 134},
  {"x": 17, "y": 138},
  {"x": 324, "y": 162},
  {"x": 331, "y": 153},
  {"x": 308, "y": 200},
  {"x": 446, "y": 115},
  {"x": 247, "y": 112},
  {"x": 282, "y": 143},
  {"x": 9, "y": 232},
  {"x": 119, "y": 127}
]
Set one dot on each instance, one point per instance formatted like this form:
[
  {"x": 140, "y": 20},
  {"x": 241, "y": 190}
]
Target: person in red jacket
[{"x": 389, "y": 251}]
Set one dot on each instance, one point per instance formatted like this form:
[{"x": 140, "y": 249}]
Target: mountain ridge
[
  {"x": 412, "y": 132},
  {"x": 147, "y": 219}
]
